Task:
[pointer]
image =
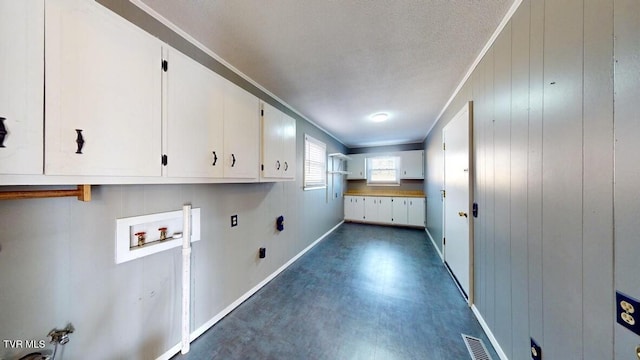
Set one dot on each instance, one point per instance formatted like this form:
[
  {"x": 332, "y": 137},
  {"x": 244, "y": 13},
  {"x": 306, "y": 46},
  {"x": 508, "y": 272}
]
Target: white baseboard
[
  {"x": 206, "y": 326},
  {"x": 434, "y": 244},
  {"x": 487, "y": 331}
]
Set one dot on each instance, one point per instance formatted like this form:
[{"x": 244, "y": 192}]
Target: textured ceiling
[{"x": 337, "y": 62}]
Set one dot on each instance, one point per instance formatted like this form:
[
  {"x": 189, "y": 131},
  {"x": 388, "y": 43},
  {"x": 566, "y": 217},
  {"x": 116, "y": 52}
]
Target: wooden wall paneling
[
  {"x": 489, "y": 210},
  {"x": 627, "y": 166},
  {"x": 519, "y": 153},
  {"x": 478, "y": 149},
  {"x": 598, "y": 301},
  {"x": 562, "y": 180},
  {"x": 534, "y": 164},
  {"x": 502, "y": 155}
]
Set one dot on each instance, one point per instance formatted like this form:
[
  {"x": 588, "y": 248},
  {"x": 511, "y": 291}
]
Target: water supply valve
[
  {"x": 60, "y": 336},
  {"x": 141, "y": 237},
  {"x": 163, "y": 233},
  {"x": 280, "y": 223}
]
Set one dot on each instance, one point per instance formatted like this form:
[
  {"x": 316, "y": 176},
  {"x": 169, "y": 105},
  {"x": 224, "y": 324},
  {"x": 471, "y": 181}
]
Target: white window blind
[
  {"x": 383, "y": 170},
  {"x": 315, "y": 163}
]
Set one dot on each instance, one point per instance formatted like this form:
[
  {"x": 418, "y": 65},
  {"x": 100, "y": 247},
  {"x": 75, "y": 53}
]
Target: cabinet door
[
  {"x": 399, "y": 211},
  {"x": 241, "y": 133},
  {"x": 356, "y": 167},
  {"x": 370, "y": 209},
  {"x": 194, "y": 118},
  {"x": 103, "y": 91},
  {"x": 278, "y": 144},
  {"x": 416, "y": 212},
  {"x": 385, "y": 210},
  {"x": 272, "y": 142},
  {"x": 289, "y": 147},
  {"x": 21, "y": 87},
  {"x": 412, "y": 164},
  {"x": 349, "y": 207}
]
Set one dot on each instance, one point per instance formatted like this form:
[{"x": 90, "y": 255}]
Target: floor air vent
[{"x": 476, "y": 348}]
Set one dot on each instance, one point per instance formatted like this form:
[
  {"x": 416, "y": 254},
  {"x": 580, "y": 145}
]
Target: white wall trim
[
  {"x": 144, "y": 7},
  {"x": 487, "y": 46},
  {"x": 487, "y": 330},
  {"x": 206, "y": 326},
  {"x": 434, "y": 244}
]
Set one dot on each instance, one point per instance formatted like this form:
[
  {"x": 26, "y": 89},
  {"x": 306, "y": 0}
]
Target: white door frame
[{"x": 468, "y": 108}]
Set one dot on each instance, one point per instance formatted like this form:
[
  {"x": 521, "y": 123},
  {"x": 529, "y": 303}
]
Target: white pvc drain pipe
[{"x": 186, "y": 277}]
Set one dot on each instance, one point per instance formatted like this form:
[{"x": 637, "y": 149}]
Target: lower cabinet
[
  {"x": 354, "y": 208},
  {"x": 399, "y": 211},
  {"x": 415, "y": 212},
  {"x": 385, "y": 210}
]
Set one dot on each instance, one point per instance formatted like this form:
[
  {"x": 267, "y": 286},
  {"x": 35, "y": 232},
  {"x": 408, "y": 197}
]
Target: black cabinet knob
[
  {"x": 79, "y": 141},
  {"x": 3, "y": 132}
]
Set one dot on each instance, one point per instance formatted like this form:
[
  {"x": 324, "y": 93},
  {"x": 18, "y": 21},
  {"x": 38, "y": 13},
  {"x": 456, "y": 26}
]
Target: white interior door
[{"x": 457, "y": 217}]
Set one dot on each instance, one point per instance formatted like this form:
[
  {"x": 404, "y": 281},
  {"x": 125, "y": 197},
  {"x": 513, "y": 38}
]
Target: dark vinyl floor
[{"x": 364, "y": 292}]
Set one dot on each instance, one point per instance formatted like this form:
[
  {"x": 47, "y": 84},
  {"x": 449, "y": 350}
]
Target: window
[
  {"x": 315, "y": 164},
  {"x": 383, "y": 170}
]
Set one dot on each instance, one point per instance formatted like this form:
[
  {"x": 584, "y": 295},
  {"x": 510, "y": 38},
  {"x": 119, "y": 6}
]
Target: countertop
[{"x": 389, "y": 193}]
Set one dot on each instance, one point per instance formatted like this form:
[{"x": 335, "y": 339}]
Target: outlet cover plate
[
  {"x": 628, "y": 312},
  {"x": 234, "y": 220}
]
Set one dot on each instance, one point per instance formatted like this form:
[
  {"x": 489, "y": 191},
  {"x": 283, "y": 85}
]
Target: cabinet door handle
[
  {"x": 286, "y": 166},
  {"x": 215, "y": 158},
  {"x": 3, "y": 132},
  {"x": 233, "y": 160},
  {"x": 277, "y": 164},
  {"x": 79, "y": 141}
]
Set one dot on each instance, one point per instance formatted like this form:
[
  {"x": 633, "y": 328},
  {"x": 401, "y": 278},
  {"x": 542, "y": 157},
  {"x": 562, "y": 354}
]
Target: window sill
[{"x": 314, "y": 188}]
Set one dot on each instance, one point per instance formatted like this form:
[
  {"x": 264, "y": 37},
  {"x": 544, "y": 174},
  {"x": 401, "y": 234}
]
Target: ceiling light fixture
[{"x": 379, "y": 117}]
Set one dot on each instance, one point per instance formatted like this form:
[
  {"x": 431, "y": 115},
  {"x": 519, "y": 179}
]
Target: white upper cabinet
[
  {"x": 21, "y": 86},
  {"x": 411, "y": 164},
  {"x": 278, "y": 145},
  {"x": 103, "y": 93},
  {"x": 241, "y": 133},
  {"x": 356, "y": 167},
  {"x": 194, "y": 118}
]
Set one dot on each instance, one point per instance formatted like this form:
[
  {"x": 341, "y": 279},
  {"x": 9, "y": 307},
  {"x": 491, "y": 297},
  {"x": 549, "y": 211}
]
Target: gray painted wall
[
  {"x": 544, "y": 154},
  {"x": 57, "y": 260},
  {"x": 57, "y": 255}
]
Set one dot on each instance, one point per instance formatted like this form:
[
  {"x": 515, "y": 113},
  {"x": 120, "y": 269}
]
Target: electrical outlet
[
  {"x": 536, "y": 350},
  {"x": 626, "y": 307},
  {"x": 234, "y": 220},
  {"x": 262, "y": 253}
]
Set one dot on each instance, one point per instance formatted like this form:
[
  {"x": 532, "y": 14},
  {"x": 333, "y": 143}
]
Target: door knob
[{"x": 462, "y": 213}]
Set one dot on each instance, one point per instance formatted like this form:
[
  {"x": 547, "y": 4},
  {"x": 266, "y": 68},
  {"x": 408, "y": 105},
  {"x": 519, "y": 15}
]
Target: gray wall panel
[
  {"x": 598, "y": 180},
  {"x": 502, "y": 158},
  {"x": 534, "y": 181},
  {"x": 489, "y": 207},
  {"x": 562, "y": 179},
  {"x": 544, "y": 177},
  {"x": 519, "y": 156},
  {"x": 478, "y": 149},
  {"x": 627, "y": 167}
]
